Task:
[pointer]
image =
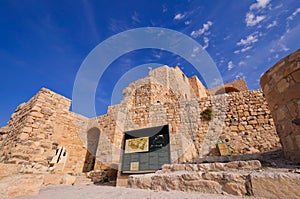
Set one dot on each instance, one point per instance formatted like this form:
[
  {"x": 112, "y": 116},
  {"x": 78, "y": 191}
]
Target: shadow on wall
[{"x": 92, "y": 145}]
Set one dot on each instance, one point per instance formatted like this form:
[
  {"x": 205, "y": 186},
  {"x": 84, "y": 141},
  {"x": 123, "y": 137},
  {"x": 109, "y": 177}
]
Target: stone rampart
[{"x": 281, "y": 86}]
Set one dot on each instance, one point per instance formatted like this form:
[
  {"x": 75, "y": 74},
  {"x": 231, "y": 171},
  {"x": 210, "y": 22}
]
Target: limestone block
[
  {"x": 235, "y": 189},
  {"x": 296, "y": 75},
  {"x": 275, "y": 185},
  {"x": 203, "y": 186},
  {"x": 36, "y": 114},
  {"x": 282, "y": 85},
  {"x": 53, "y": 179},
  {"x": 233, "y": 128},
  {"x": 20, "y": 185},
  {"x": 9, "y": 169},
  {"x": 69, "y": 180},
  {"x": 241, "y": 128},
  {"x": 252, "y": 122},
  {"x": 24, "y": 136}
]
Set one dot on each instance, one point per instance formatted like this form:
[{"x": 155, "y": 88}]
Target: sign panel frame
[{"x": 145, "y": 150}]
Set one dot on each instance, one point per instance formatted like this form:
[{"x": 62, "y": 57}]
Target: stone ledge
[
  {"x": 275, "y": 185},
  {"x": 205, "y": 167},
  {"x": 259, "y": 184}
]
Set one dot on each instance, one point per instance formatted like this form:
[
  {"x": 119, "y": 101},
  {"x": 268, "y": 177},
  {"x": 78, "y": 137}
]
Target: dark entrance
[
  {"x": 146, "y": 150},
  {"x": 92, "y": 145}
]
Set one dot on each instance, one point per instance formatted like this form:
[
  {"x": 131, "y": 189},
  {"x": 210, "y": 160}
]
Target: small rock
[{"x": 273, "y": 164}]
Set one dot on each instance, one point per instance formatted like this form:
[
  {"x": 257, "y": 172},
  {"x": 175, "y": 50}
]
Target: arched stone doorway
[{"x": 92, "y": 145}]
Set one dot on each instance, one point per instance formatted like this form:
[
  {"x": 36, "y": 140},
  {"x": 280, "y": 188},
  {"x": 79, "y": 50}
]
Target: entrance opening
[{"x": 92, "y": 145}]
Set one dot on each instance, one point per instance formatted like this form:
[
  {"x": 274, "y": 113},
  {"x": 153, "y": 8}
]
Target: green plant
[
  {"x": 248, "y": 193},
  {"x": 207, "y": 114}
]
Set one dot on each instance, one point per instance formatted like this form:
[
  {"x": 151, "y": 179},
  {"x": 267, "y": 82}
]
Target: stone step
[
  {"x": 83, "y": 181},
  {"x": 243, "y": 183},
  {"x": 205, "y": 167}
]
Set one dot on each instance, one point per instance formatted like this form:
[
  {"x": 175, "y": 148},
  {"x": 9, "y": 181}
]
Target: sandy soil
[{"x": 93, "y": 192}]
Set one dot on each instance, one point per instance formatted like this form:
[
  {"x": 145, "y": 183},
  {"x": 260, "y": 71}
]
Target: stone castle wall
[
  {"x": 39, "y": 127},
  {"x": 249, "y": 127},
  {"x": 166, "y": 96},
  {"x": 281, "y": 86}
]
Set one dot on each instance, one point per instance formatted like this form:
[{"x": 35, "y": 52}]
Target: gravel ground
[{"x": 93, "y": 192}]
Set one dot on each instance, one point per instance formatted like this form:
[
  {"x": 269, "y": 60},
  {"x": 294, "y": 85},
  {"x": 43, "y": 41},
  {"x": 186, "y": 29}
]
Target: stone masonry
[
  {"x": 281, "y": 86},
  {"x": 44, "y": 126}
]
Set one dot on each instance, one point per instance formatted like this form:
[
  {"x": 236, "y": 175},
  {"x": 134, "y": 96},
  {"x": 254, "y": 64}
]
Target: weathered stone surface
[
  {"x": 205, "y": 167},
  {"x": 235, "y": 189},
  {"x": 284, "y": 101},
  {"x": 275, "y": 185},
  {"x": 266, "y": 184},
  {"x": 69, "y": 180},
  {"x": 43, "y": 125},
  {"x": 20, "y": 185},
  {"x": 98, "y": 176},
  {"x": 4, "y": 129},
  {"x": 9, "y": 169},
  {"x": 53, "y": 179},
  {"x": 203, "y": 186},
  {"x": 188, "y": 181}
]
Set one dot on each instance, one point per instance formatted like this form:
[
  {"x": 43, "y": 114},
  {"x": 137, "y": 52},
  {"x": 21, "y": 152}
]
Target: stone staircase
[{"x": 241, "y": 178}]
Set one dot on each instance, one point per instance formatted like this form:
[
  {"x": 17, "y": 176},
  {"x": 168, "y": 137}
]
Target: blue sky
[{"x": 43, "y": 43}]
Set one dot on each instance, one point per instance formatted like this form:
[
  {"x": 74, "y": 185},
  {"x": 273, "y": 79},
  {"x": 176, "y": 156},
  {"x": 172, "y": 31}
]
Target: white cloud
[
  {"x": 278, "y": 6},
  {"x": 164, "y": 8},
  {"x": 274, "y": 23},
  {"x": 259, "y": 4},
  {"x": 206, "y": 42},
  {"x": 216, "y": 82},
  {"x": 282, "y": 47},
  {"x": 286, "y": 40},
  {"x": 241, "y": 63},
  {"x": 230, "y": 65},
  {"x": 222, "y": 60},
  {"x": 135, "y": 17},
  {"x": 205, "y": 28},
  {"x": 227, "y": 37},
  {"x": 252, "y": 17},
  {"x": 187, "y": 22},
  {"x": 243, "y": 50},
  {"x": 250, "y": 39},
  {"x": 179, "y": 16},
  {"x": 291, "y": 17},
  {"x": 246, "y": 42},
  {"x": 195, "y": 50},
  {"x": 240, "y": 76},
  {"x": 246, "y": 49},
  {"x": 252, "y": 20}
]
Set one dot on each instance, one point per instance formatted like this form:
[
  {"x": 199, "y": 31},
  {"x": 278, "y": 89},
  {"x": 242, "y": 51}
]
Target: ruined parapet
[
  {"x": 235, "y": 86},
  {"x": 281, "y": 87},
  {"x": 38, "y": 127}
]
